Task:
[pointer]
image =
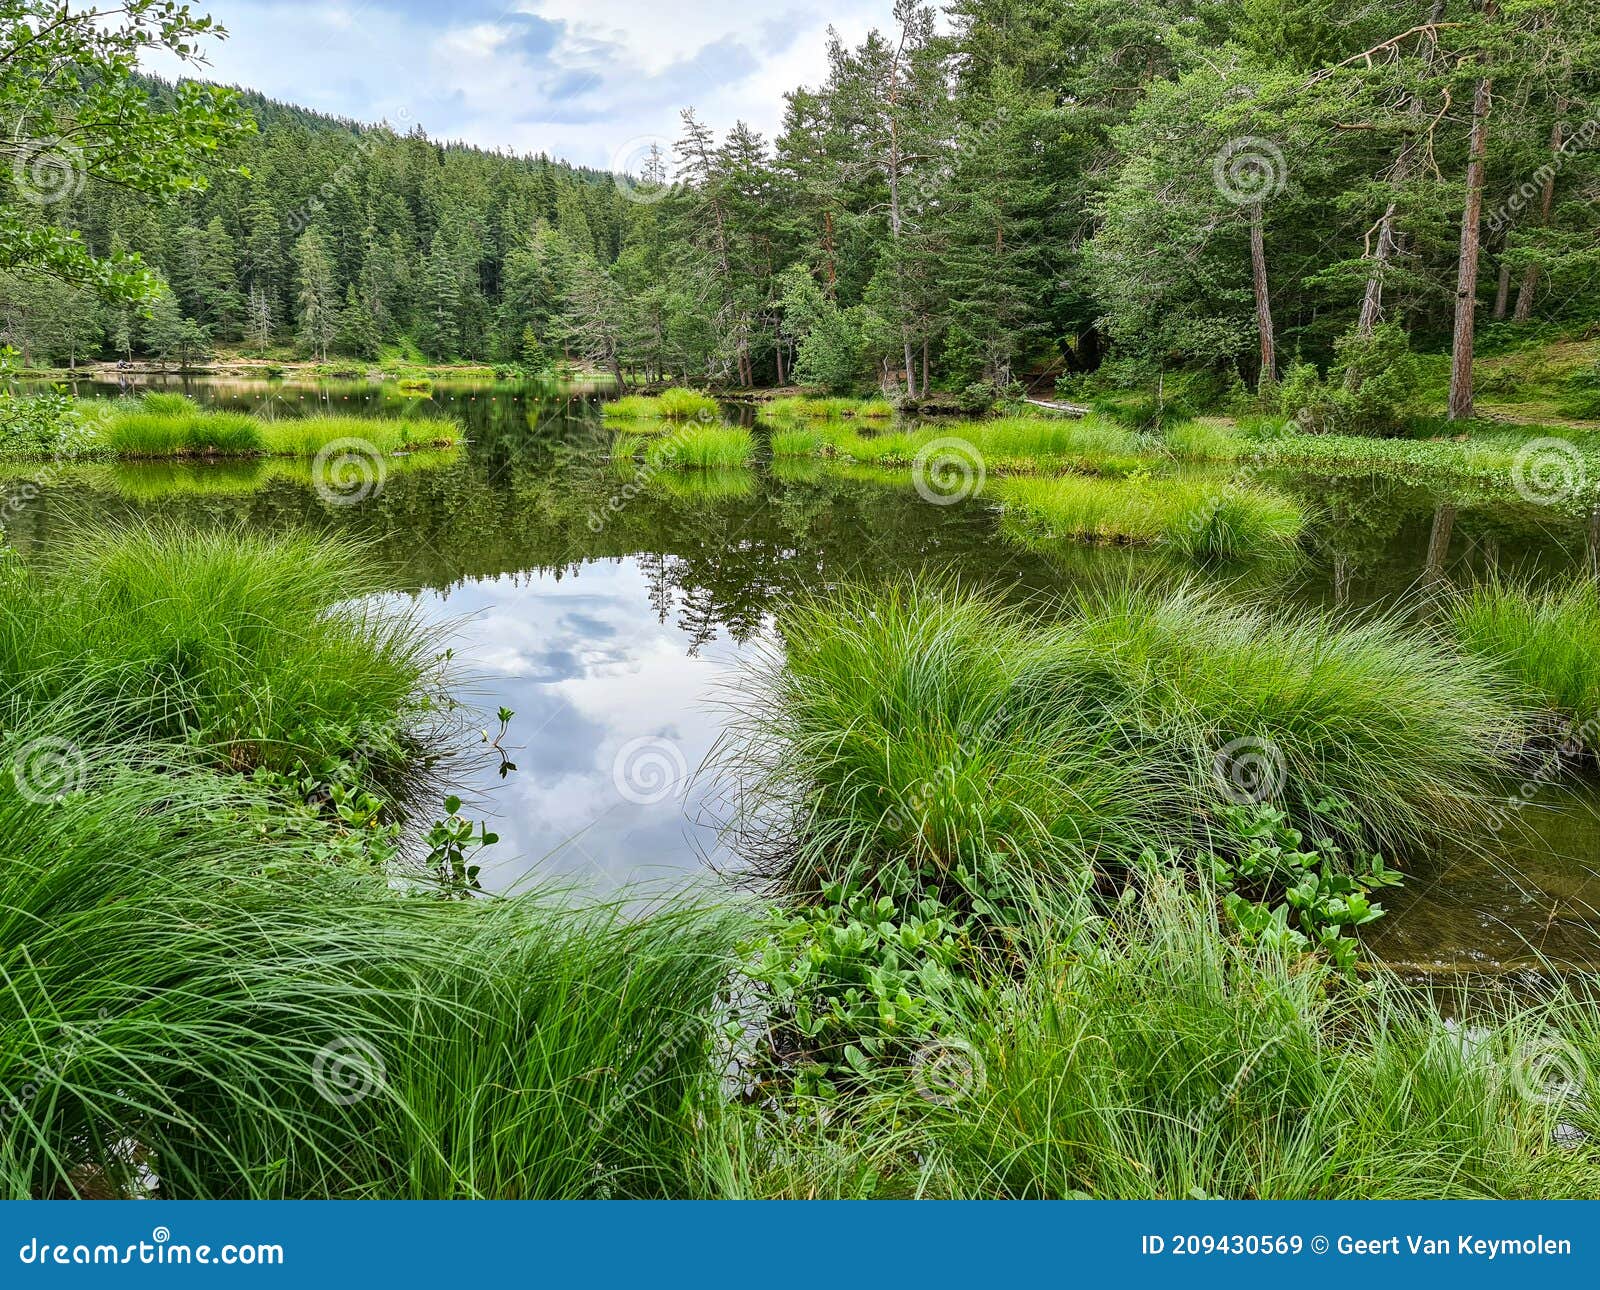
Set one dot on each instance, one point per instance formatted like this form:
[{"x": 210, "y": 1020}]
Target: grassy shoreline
[{"x": 1011, "y": 851}]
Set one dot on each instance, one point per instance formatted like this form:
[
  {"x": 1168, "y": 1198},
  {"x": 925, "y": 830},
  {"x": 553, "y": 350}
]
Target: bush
[{"x": 1372, "y": 387}]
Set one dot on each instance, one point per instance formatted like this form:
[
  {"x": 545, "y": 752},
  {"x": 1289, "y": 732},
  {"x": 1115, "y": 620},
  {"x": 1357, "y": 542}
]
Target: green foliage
[
  {"x": 69, "y": 81},
  {"x": 830, "y": 348},
  {"x": 1199, "y": 519},
  {"x": 1372, "y": 387},
  {"x": 850, "y": 985},
  {"x": 1288, "y": 895},
  {"x": 1546, "y": 641}
]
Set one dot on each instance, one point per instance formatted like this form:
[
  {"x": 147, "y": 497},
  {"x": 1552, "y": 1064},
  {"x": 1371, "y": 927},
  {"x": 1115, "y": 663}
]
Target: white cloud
[{"x": 574, "y": 78}]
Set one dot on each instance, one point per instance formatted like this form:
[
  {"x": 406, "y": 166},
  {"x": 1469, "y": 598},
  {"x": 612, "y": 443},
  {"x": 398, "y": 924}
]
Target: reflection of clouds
[{"x": 586, "y": 667}]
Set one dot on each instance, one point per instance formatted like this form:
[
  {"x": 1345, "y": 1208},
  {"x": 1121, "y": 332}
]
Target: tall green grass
[
  {"x": 920, "y": 729},
  {"x": 1152, "y": 1056},
  {"x": 674, "y": 404},
  {"x": 800, "y": 407},
  {"x": 233, "y": 1017},
  {"x": 797, "y": 442},
  {"x": 1196, "y": 518},
  {"x": 1005, "y": 445},
  {"x": 702, "y": 447},
  {"x": 255, "y": 650},
  {"x": 169, "y": 425},
  {"x": 1547, "y": 641}
]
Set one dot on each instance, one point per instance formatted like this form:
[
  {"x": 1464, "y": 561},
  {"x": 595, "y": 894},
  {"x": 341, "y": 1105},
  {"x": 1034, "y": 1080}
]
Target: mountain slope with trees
[{"x": 1244, "y": 192}]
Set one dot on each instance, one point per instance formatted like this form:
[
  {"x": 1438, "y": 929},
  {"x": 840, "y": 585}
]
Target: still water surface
[{"x": 613, "y": 615}]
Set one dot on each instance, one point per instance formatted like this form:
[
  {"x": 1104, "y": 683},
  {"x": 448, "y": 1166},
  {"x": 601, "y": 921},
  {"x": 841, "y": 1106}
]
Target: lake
[{"x": 613, "y": 613}]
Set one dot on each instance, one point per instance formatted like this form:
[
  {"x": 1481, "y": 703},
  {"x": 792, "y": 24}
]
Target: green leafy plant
[{"x": 1282, "y": 891}]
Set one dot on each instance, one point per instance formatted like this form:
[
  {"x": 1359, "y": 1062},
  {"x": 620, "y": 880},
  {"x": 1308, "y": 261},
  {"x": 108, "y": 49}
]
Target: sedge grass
[
  {"x": 258, "y": 651},
  {"x": 673, "y": 404},
  {"x": 1196, "y": 518},
  {"x": 702, "y": 447},
  {"x": 919, "y": 729},
  {"x": 165, "y": 426},
  {"x": 1154, "y": 1056},
  {"x": 191, "y": 1007},
  {"x": 797, "y": 407},
  {"x": 1547, "y": 641},
  {"x": 797, "y": 442}
]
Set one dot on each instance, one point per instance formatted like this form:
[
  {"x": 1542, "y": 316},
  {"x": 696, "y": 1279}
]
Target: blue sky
[{"x": 588, "y": 80}]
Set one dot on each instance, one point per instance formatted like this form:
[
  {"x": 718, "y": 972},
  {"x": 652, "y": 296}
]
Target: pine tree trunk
[
  {"x": 924, "y": 365},
  {"x": 1530, "y": 276},
  {"x": 1502, "y": 292},
  {"x": 1467, "y": 267},
  {"x": 1258, "y": 275},
  {"x": 1372, "y": 296},
  {"x": 827, "y": 251}
]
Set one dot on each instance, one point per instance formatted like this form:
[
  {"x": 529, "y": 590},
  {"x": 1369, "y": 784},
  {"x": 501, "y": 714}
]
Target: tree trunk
[
  {"x": 924, "y": 364},
  {"x": 1502, "y": 292},
  {"x": 1258, "y": 275},
  {"x": 827, "y": 250},
  {"x": 1467, "y": 268},
  {"x": 777, "y": 350},
  {"x": 1372, "y": 297},
  {"x": 1444, "y": 523},
  {"x": 1594, "y": 543},
  {"x": 1530, "y": 276}
]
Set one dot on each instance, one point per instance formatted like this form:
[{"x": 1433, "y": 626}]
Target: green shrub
[{"x": 1373, "y": 386}]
